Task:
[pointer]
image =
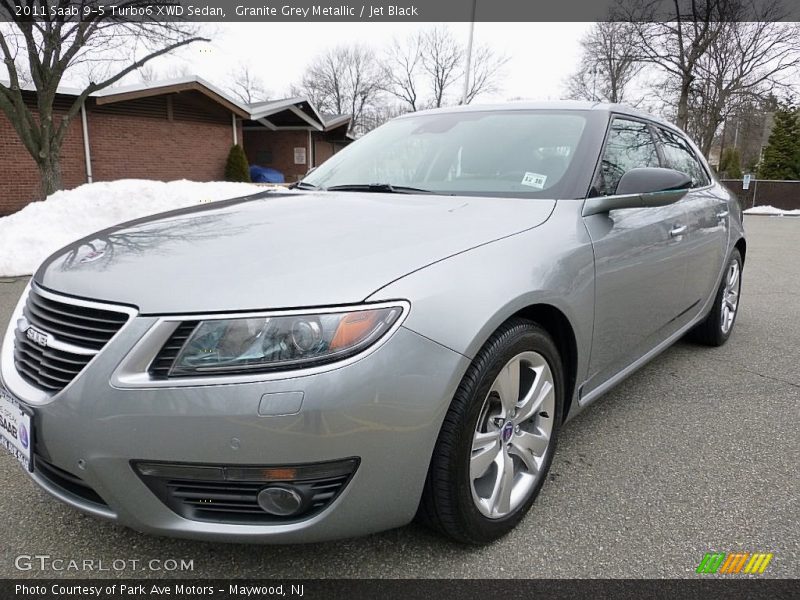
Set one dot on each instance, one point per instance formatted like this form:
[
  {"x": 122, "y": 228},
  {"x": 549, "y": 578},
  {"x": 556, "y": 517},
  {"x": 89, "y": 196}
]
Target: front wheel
[
  {"x": 718, "y": 325},
  {"x": 498, "y": 438}
]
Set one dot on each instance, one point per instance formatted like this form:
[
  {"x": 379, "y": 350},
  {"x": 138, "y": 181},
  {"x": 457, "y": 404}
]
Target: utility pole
[{"x": 468, "y": 66}]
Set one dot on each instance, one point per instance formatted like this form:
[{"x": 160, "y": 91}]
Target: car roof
[{"x": 603, "y": 107}]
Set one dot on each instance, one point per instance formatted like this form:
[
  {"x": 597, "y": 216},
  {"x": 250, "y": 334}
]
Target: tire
[
  {"x": 718, "y": 325},
  {"x": 457, "y": 501}
]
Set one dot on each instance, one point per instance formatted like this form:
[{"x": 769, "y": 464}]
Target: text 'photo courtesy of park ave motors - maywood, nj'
[
  {"x": 157, "y": 590},
  {"x": 385, "y": 299}
]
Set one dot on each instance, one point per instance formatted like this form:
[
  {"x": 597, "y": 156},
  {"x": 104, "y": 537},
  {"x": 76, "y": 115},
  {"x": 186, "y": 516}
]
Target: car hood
[{"x": 279, "y": 250}]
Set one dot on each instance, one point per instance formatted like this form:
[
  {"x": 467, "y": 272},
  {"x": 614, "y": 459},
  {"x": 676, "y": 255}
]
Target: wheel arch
[
  {"x": 741, "y": 246},
  {"x": 558, "y": 326},
  {"x": 556, "y": 323}
]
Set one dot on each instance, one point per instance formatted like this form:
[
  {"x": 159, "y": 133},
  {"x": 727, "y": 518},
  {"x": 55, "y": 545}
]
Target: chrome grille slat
[
  {"x": 65, "y": 377},
  {"x": 35, "y": 378},
  {"x": 81, "y": 327},
  {"x": 82, "y": 312},
  {"x": 42, "y": 314},
  {"x": 247, "y": 510},
  {"x": 64, "y": 334},
  {"x": 47, "y": 305},
  {"x": 50, "y": 358}
]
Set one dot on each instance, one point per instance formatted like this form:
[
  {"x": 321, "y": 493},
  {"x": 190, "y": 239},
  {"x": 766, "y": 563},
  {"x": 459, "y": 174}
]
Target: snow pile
[
  {"x": 32, "y": 234},
  {"x": 771, "y": 210}
]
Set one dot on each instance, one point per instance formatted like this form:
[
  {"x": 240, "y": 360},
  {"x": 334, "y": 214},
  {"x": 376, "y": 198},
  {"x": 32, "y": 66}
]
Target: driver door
[{"x": 640, "y": 265}]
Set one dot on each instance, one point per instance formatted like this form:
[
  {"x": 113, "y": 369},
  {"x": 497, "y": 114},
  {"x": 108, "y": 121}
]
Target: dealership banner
[
  {"x": 396, "y": 589},
  {"x": 399, "y": 10}
]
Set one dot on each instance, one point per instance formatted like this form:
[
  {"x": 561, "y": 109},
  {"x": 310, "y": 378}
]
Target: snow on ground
[
  {"x": 771, "y": 210},
  {"x": 32, "y": 234}
]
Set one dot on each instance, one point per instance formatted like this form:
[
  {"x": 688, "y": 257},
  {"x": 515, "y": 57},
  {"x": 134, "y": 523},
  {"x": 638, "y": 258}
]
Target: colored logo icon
[
  {"x": 735, "y": 562},
  {"x": 24, "y": 439}
]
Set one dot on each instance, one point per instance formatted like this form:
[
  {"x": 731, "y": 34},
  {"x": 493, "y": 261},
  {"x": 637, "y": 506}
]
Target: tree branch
[{"x": 93, "y": 87}]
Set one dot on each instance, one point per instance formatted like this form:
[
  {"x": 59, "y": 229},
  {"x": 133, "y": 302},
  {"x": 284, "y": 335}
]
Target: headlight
[{"x": 268, "y": 343}]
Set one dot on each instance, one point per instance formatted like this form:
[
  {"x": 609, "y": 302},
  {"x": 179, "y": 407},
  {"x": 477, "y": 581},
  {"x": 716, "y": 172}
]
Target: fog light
[{"x": 280, "y": 501}]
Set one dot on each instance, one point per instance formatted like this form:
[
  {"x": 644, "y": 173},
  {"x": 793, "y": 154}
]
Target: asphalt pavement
[{"x": 697, "y": 452}]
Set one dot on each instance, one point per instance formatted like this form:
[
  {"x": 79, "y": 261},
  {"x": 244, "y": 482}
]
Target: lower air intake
[{"x": 230, "y": 494}]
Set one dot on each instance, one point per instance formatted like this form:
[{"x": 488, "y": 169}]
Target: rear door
[
  {"x": 706, "y": 239},
  {"x": 640, "y": 265}
]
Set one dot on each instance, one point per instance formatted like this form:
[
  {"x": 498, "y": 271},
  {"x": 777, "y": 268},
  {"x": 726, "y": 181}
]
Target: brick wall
[
  {"x": 19, "y": 176},
  {"x": 127, "y": 140},
  {"x": 275, "y": 149},
  {"x": 323, "y": 150},
  {"x": 141, "y": 147}
]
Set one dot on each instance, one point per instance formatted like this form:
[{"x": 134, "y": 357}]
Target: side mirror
[
  {"x": 644, "y": 187},
  {"x": 647, "y": 180}
]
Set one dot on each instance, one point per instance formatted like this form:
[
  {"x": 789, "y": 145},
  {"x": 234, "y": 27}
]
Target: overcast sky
[{"x": 541, "y": 54}]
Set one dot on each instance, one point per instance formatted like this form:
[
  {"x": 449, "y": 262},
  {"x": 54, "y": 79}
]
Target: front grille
[
  {"x": 66, "y": 481},
  {"x": 87, "y": 330},
  {"x": 161, "y": 365}
]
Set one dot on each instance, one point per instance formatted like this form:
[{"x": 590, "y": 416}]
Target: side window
[
  {"x": 629, "y": 146},
  {"x": 679, "y": 155}
]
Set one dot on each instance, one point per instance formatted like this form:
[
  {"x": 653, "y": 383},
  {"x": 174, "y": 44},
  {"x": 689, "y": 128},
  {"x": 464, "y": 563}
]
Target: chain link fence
[{"x": 766, "y": 192}]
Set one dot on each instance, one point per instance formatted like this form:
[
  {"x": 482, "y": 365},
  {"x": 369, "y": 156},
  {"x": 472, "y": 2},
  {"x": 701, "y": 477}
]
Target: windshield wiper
[
  {"x": 302, "y": 185},
  {"x": 377, "y": 188}
]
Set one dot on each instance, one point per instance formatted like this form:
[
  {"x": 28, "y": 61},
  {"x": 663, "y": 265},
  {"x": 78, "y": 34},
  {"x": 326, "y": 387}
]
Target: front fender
[{"x": 461, "y": 301}]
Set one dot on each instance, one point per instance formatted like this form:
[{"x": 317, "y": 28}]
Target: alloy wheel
[
  {"x": 512, "y": 436},
  {"x": 730, "y": 296}
]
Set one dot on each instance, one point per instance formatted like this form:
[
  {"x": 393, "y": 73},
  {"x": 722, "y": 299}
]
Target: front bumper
[{"x": 385, "y": 409}]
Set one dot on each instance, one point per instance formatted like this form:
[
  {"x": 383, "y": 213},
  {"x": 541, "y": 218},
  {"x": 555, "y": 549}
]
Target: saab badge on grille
[{"x": 37, "y": 337}]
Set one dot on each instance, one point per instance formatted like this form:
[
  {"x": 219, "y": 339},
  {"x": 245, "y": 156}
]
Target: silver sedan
[{"x": 402, "y": 334}]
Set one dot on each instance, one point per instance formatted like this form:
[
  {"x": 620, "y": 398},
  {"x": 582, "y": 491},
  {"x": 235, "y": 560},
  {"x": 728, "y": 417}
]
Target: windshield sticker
[{"x": 534, "y": 180}]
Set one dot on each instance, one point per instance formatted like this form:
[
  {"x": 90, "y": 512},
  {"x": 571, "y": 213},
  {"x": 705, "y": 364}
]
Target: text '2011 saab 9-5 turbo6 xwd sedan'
[{"x": 401, "y": 334}]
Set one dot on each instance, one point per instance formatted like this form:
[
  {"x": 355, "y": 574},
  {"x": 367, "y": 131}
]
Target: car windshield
[{"x": 523, "y": 153}]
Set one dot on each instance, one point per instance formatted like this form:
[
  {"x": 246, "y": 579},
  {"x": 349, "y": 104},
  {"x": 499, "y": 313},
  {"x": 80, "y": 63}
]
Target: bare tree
[
  {"x": 49, "y": 48},
  {"x": 147, "y": 74},
  {"x": 675, "y": 37},
  {"x": 402, "y": 63},
  {"x": 433, "y": 61},
  {"x": 248, "y": 87},
  {"x": 750, "y": 62},
  {"x": 344, "y": 80},
  {"x": 715, "y": 57},
  {"x": 485, "y": 72},
  {"x": 420, "y": 71},
  {"x": 377, "y": 115},
  {"x": 442, "y": 58},
  {"x": 609, "y": 62}
]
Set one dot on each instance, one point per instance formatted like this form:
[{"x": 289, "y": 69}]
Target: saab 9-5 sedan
[{"x": 401, "y": 334}]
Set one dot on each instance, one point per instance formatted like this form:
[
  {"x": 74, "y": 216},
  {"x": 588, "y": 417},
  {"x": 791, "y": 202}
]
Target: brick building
[
  {"x": 177, "y": 129},
  {"x": 308, "y": 137}
]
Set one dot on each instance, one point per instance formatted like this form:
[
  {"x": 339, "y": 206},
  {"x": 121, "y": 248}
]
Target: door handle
[
  {"x": 723, "y": 214},
  {"x": 678, "y": 230}
]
